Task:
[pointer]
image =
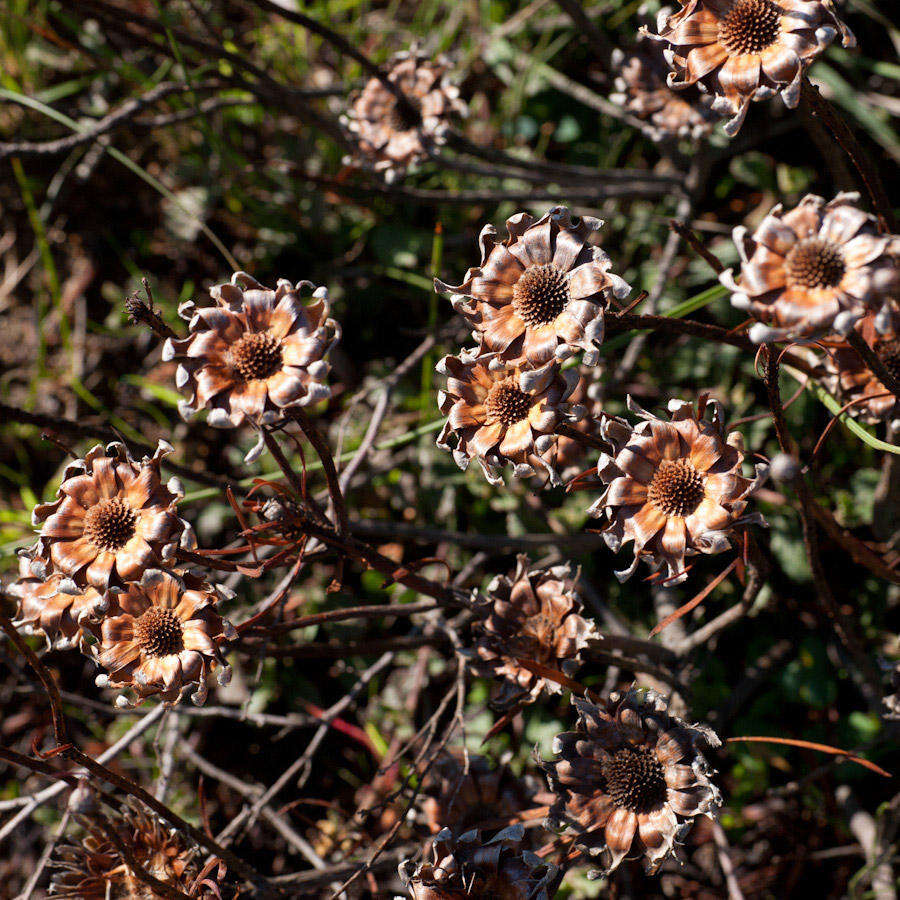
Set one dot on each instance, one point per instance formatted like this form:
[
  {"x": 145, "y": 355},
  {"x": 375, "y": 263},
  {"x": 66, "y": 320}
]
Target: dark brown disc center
[
  {"x": 540, "y": 295},
  {"x": 158, "y": 632},
  {"x": 110, "y": 524},
  {"x": 750, "y": 26},
  {"x": 635, "y": 779},
  {"x": 677, "y": 488},
  {"x": 256, "y": 355},
  {"x": 814, "y": 263}
]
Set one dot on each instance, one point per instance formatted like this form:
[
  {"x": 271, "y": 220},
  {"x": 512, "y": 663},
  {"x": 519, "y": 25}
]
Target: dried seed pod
[
  {"x": 540, "y": 294},
  {"x": 818, "y": 267},
  {"x": 674, "y": 487},
  {"x": 255, "y": 353},
  {"x": 111, "y": 520},
  {"x": 745, "y": 50},
  {"x": 630, "y": 776},
  {"x": 534, "y": 615}
]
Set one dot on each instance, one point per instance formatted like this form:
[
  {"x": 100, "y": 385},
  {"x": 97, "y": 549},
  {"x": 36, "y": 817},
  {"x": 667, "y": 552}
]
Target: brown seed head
[
  {"x": 110, "y": 524},
  {"x": 676, "y": 488},
  {"x": 750, "y": 26},
  {"x": 814, "y": 263},
  {"x": 635, "y": 779},
  {"x": 158, "y": 631},
  {"x": 540, "y": 295},
  {"x": 256, "y": 355},
  {"x": 507, "y": 404}
]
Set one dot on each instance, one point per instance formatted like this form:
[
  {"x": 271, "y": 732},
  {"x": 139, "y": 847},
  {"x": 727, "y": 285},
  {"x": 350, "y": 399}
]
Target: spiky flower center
[
  {"x": 256, "y": 355},
  {"x": 110, "y": 524},
  {"x": 158, "y": 632},
  {"x": 814, "y": 263},
  {"x": 540, "y": 295},
  {"x": 889, "y": 353},
  {"x": 635, "y": 779},
  {"x": 750, "y": 26},
  {"x": 676, "y": 488},
  {"x": 506, "y": 404}
]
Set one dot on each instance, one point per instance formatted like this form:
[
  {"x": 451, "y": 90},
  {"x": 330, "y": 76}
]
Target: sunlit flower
[
  {"x": 630, "y": 776},
  {"x": 255, "y": 353},
  {"x": 540, "y": 293},
  {"x": 641, "y": 90},
  {"x": 161, "y": 634},
  {"x": 850, "y": 379},
  {"x": 745, "y": 50},
  {"x": 56, "y": 607},
  {"x": 470, "y": 866},
  {"x": 673, "y": 487},
  {"x": 817, "y": 267},
  {"x": 112, "y": 518},
  {"x": 501, "y": 414},
  {"x": 388, "y": 140},
  {"x": 93, "y": 868},
  {"x": 535, "y": 616}
]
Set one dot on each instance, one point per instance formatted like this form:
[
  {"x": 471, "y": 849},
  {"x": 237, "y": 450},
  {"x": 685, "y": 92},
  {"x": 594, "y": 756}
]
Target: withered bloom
[
  {"x": 112, "y": 518},
  {"x": 540, "y": 293},
  {"x": 161, "y": 634},
  {"x": 630, "y": 775},
  {"x": 56, "y": 607},
  {"x": 255, "y": 353},
  {"x": 536, "y": 616},
  {"x": 386, "y": 139},
  {"x": 641, "y": 89},
  {"x": 468, "y": 866},
  {"x": 502, "y": 414},
  {"x": 94, "y": 868},
  {"x": 673, "y": 487},
  {"x": 463, "y": 791},
  {"x": 817, "y": 267},
  {"x": 745, "y": 50},
  {"x": 849, "y": 378}
]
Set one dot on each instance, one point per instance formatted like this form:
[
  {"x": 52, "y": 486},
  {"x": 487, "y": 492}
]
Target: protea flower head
[
  {"x": 93, "y": 868},
  {"x": 673, "y": 487},
  {"x": 630, "y": 777},
  {"x": 745, "y": 50},
  {"x": 502, "y": 414},
  {"x": 464, "y": 791},
  {"x": 255, "y": 353},
  {"x": 470, "y": 866},
  {"x": 540, "y": 293},
  {"x": 161, "y": 634},
  {"x": 818, "y": 267},
  {"x": 112, "y": 518},
  {"x": 536, "y": 616},
  {"x": 850, "y": 379},
  {"x": 56, "y": 607},
  {"x": 386, "y": 140},
  {"x": 641, "y": 89}
]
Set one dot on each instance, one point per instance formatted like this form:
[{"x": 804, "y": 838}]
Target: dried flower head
[
  {"x": 673, "y": 487},
  {"x": 464, "y": 791},
  {"x": 111, "y": 519},
  {"x": 630, "y": 774},
  {"x": 388, "y": 139},
  {"x": 56, "y": 607},
  {"x": 93, "y": 868},
  {"x": 540, "y": 293},
  {"x": 255, "y": 353},
  {"x": 745, "y": 50},
  {"x": 848, "y": 377},
  {"x": 469, "y": 866},
  {"x": 161, "y": 634},
  {"x": 536, "y": 616},
  {"x": 819, "y": 266},
  {"x": 502, "y": 414},
  {"x": 641, "y": 89}
]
